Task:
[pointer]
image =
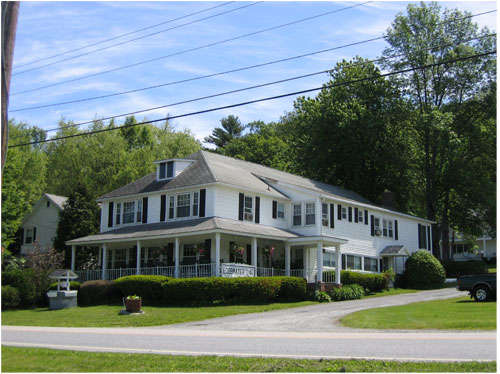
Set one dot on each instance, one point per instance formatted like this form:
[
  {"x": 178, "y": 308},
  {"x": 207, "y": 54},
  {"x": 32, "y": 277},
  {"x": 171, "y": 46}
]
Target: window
[
  {"x": 183, "y": 205},
  {"x": 360, "y": 216},
  {"x": 196, "y": 203},
  {"x": 371, "y": 264},
  {"x": 324, "y": 215},
  {"x": 139, "y": 211},
  {"x": 391, "y": 232},
  {"x": 170, "y": 169},
  {"x": 248, "y": 209},
  {"x": 388, "y": 228},
  {"x": 376, "y": 225},
  {"x": 128, "y": 212},
  {"x": 118, "y": 213},
  {"x": 353, "y": 262},
  {"x": 384, "y": 225},
  {"x": 344, "y": 212},
  {"x": 48, "y": 204},
  {"x": 29, "y": 236},
  {"x": 329, "y": 259},
  {"x": 297, "y": 214},
  {"x": 280, "y": 211},
  {"x": 310, "y": 213},
  {"x": 120, "y": 255},
  {"x": 189, "y": 250},
  {"x": 171, "y": 207},
  {"x": 422, "y": 236}
]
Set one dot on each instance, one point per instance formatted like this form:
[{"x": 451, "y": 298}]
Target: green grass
[
  {"x": 16, "y": 359},
  {"x": 492, "y": 268},
  {"x": 107, "y": 315},
  {"x": 460, "y": 313},
  {"x": 390, "y": 292}
]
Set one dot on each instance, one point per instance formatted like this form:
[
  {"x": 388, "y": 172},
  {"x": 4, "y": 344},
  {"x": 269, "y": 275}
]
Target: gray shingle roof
[
  {"x": 58, "y": 200},
  {"x": 165, "y": 229},
  {"x": 212, "y": 167},
  {"x": 392, "y": 250}
]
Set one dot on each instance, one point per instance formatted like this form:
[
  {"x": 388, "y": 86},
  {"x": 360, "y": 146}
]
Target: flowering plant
[
  {"x": 269, "y": 250},
  {"x": 133, "y": 297},
  {"x": 200, "y": 248},
  {"x": 236, "y": 248}
]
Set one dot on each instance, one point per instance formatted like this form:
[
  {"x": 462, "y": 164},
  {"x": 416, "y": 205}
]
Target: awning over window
[{"x": 394, "y": 250}]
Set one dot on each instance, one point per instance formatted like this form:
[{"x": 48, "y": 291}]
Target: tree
[
  {"x": 354, "y": 135},
  {"x": 231, "y": 129},
  {"x": 80, "y": 217},
  {"x": 425, "y": 36}
]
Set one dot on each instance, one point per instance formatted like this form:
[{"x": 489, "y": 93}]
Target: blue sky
[{"x": 49, "y": 28}]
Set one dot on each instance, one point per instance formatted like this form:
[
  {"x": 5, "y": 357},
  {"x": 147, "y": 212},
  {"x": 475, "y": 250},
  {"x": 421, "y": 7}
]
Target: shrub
[
  {"x": 292, "y": 289},
  {"x": 260, "y": 289},
  {"x": 149, "y": 287},
  {"x": 454, "y": 269},
  {"x": 348, "y": 292},
  {"x": 423, "y": 271},
  {"x": 371, "y": 281},
  {"x": 23, "y": 280},
  {"x": 98, "y": 292},
  {"x": 10, "y": 297},
  {"x": 322, "y": 297},
  {"x": 75, "y": 286}
]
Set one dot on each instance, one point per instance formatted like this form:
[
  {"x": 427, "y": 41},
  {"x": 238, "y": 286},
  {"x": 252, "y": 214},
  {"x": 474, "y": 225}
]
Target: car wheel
[{"x": 481, "y": 293}]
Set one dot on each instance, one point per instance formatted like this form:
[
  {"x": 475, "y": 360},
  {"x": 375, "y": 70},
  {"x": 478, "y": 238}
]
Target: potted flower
[
  {"x": 237, "y": 248},
  {"x": 200, "y": 248},
  {"x": 268, "y": 250},
  {"x": 133, "y": 304}
]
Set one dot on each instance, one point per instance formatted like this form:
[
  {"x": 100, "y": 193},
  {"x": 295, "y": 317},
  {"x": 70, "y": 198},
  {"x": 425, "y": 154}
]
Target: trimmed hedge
[
  {"x": 10, "y": 297},
  {"x": 371, "y": 281},
  {"x": 24, "y": 281},
  {"x": 456, "y": 268},
  {"x": 348, "y": 292},
  {"x": 149, "y": 287},
  {"x": 292, "y": 289},
  {"x": 98, "y": 292},
  {"x": 73, "y": 285},
  {"x": 423, "y": 271}
]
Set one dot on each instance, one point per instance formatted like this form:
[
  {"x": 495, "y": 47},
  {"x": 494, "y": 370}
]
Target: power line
[
  {"x": 260, "y": 100},
  {"x": 194, "y": 49},
  {"x": 122, "y": 35},
  {"x": 232, "y": 71},
  {"x": 138, "y": 38}
]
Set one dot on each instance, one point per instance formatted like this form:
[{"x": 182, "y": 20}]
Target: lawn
[
  {"x": 107, "y": 315},
  {"x": 460, "y": 313},
  {"x": 16, "y": 359}
]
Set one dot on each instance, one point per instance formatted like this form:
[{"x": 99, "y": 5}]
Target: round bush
[
  {"x": 423, "y": 271},
  {"x": 10, "y": 297}
]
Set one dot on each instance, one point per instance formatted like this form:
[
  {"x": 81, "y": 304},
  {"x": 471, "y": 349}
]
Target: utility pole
[{"x": 10, "y": 13}]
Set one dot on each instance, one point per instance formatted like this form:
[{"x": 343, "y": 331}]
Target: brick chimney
[{"x": 388, "y": 199}]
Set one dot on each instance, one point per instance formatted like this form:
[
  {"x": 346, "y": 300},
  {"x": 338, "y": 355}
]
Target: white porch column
[
  {"x": 176, "y": 257},
  {"x": 138, "y": 264},
  {"x": 287, "y": 259},
  {"x": 254, "y": 252},
  {"x": 217, "y": 254},
  {"x": 320, "y": 262},
  {"x": 73, "y": 255},
  {"x": 99, "y": 262},
  {"x": 104, "y": 260},
  {"x": 338, "y": 263}
]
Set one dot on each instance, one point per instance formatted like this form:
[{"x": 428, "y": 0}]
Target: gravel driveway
[{"x": 314, "y": 318}]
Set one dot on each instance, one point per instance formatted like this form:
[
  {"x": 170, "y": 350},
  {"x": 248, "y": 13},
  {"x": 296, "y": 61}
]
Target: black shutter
[
  {"x": 208, "y": 250},
  {"x": 110, "y": 214},
  {"x": 344, "y": 261},
  {"x": 356, "y": 215},
  {"x": 428, "y": 237},
  {"x": 396, "y": 229},
  {"x": 275, "y": 209},
  {"x": 34, "y": 234},
  {"x": 350, "y": 214},
  {"x": 203, "y": 198},
  {"x": 144, "y": 210},
  {"x": 372, "y": 223},
  {"x": 332, "y": 216},
  {"x": 231, "y": 253},
  {"x": 257, "y": 209},
  {"x": 339, "y": 212},
  {"x": 163, "y": 207},
  {"x": 249, "y": 254},
  {"x": 240, "y": 208},
  {"x": 419, "y": 237},
  {"x": 170, "y": 254},
  {"x": 366, "y": 217}
]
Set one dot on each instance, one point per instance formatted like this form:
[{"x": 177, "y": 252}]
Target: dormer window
[
  {"x": 166, "y": 170},
  {"x": 169, "y": 169}
]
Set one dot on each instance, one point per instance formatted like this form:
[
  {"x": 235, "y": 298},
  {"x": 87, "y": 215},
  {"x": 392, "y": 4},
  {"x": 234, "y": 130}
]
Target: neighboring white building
[
  {"x": 484, "y": 248},
  {"x": 186, "y": 218},
  {"x": 40, "y": 224}
]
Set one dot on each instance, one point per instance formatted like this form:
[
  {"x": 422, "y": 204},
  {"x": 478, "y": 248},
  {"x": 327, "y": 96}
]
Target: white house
[
  {"x": 484, "y": 248},
  {"x": 211, "y": 215},
  {"x": 40, "y": 224}
]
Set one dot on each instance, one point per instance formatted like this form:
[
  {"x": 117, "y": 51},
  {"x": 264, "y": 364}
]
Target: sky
[{"x": 188, "y": 46}]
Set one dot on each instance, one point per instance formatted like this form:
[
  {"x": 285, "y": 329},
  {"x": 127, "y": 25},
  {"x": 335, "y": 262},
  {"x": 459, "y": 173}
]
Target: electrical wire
[
  {"x": 259, "y": 100},
  {"x": 122, "y": 35},
  {"x": 138, "y": 38},
  {"x": 193, "y": 49}
]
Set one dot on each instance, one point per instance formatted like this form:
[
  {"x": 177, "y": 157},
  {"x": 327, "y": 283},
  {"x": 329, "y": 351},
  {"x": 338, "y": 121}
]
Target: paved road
[{"x": 255, "y": 335}]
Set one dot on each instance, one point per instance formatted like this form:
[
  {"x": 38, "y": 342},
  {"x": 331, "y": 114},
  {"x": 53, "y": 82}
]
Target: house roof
[
  {"x": 57, "y": 200},
  {"x": 212, "y": 168},
  {"x": 179, "y": 228}
]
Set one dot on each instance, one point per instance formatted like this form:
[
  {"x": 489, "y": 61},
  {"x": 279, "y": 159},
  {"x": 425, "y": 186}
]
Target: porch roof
[
  {"x": 394, "y": 250},
  {"x": 185, "y": 228}
]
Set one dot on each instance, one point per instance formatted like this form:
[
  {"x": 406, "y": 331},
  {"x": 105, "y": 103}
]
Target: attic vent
[{"x": 48, "y": 204}]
